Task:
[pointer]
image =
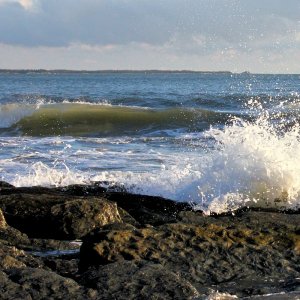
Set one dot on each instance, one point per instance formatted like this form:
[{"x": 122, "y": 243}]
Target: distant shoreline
[
  {"x": 108, "y": 71},
  {"x": 66, "y": 71}
]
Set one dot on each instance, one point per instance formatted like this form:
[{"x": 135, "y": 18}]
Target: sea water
[{"x": 218, "y": 140}]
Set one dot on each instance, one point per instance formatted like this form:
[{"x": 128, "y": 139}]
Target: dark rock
[
  {"x": 218, "y": 251},
  {"x": 11, "y": 236},
  {"x": 57, "y": 216},
  {"x": 4, "y": 184},
  {"x": 127, "y": 218},
  {"x": 64, "y": 267},
  {"x": 31, "y": 283},
  {"x": 148, "y": 209},
  {"x": 37, "y": 190},
  {"x": 95, "y": 189},
  {"x": 78, "y": 217},
  {"x": 143, "y": 209},
  {"x": 138, "y": 280},
  {"x": 30, "y": 213},
  {"x": 268, "y": 285},
  {"x": 12, "y": 257},
  {"x": 11, "y": 290},
  {"x": 137, "y": 247}
]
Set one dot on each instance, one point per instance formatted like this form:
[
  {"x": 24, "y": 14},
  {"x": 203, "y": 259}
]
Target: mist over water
[{"x": 221, "y": 141}]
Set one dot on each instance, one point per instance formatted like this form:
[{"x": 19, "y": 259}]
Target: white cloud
[
  {"x": 143, "y": 56},
  {"x": 26, "y": 4},
  {"x": 169, "y": 34}
]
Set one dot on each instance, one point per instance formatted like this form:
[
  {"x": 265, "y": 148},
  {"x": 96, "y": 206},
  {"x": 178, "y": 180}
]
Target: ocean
[{"x": 218, "y": 140}]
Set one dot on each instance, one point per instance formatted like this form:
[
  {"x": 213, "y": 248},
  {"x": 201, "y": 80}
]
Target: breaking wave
[
  {"x": 252, "y": 164},
  {"x": 86, "y": 119},
  {"x": 255, "y": 164}
]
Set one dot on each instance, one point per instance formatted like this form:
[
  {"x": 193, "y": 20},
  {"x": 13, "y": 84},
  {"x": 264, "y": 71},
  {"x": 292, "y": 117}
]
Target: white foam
[
  {"x": 255, "y": 165},
  {"x": 39, "y": 174},
  {"x": 252, "y": 164}
]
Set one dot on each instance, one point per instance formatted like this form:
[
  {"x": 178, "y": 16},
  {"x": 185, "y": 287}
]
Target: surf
[
  {"x": 85, "y": 119},
  {"x": 250, "y": 164}
]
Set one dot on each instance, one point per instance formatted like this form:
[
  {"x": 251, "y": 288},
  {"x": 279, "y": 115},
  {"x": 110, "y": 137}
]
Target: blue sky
[{"x": 234, "y": 35}]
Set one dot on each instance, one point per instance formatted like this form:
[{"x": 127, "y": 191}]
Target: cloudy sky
[{"x": 234, "y": 35}]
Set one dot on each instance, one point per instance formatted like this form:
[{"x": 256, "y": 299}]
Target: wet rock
[
  {"x": 62, "y": 257},
  {"x": 63, "y": 266},
  {"x": 148, "y": 209},
  {"x": 31, "y": 283},
  {"x": 211, "y": 253},
  {"x": 141, "y": 208},
  {"x": 96, "y": 189},
  {"x": 11, "y": 236},
  {"x": 138, "y": 280},
  {"x": 29, "y": 213},
  {"x": 12, "y": 257},
  {"x": 57, "y": 216},
  {"x": 7, "y": 189},
  {"x": 137, "y": 246},
  {"x": 78, "y": 217}
]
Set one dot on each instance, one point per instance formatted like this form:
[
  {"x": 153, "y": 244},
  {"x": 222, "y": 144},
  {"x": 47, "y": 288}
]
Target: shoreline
[{"x": 140, "y": 246}]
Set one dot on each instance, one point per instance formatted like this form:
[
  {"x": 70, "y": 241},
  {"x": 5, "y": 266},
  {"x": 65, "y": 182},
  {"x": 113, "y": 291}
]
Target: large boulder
[
  {"x": 57, "y": 216},
  {"x": 78, "y": 217},
  {"x": 10, "y": 235},
  {"x": 149, "y": 209}
]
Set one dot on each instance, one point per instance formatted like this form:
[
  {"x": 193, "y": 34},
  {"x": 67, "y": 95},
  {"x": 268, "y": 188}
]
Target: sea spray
[
  {"x": 254, "y": 164},
  {"x": 39, "y": 174},
  {"x": 251, "y": 164}
]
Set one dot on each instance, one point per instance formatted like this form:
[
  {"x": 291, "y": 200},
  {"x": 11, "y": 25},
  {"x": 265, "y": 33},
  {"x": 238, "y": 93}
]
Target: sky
[{"x": 261, "y": 36}]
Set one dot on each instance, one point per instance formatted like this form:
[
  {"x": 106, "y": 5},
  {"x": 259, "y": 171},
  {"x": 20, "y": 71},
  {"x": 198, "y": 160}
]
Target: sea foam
[
  {"x": 254, "y": 164},
  {"x": 250, "y": 163}
]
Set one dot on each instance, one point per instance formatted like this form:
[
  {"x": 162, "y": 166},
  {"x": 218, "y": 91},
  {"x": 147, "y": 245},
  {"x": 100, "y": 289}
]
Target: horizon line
[{"x": 41, "y": 70}]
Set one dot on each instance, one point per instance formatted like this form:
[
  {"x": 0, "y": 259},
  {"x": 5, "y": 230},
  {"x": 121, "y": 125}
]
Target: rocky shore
[{"x": 87, "y": 242}]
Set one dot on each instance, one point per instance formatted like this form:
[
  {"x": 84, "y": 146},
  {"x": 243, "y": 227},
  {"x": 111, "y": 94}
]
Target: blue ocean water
[{"x": 221, "y": 140}]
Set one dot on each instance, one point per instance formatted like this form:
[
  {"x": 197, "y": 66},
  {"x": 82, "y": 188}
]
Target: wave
[
  {"x": 86, "y": 119},
  {"x": 252, "y": 164}
]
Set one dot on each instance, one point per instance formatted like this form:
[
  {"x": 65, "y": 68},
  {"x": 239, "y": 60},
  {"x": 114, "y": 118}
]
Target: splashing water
[
  {"x": 40, "y": 174},
  {"x": 255, "y": 164},
  {"x": 252, "y": 164}
]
